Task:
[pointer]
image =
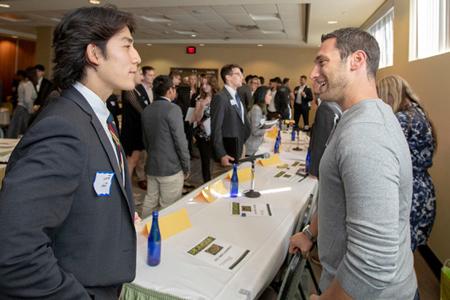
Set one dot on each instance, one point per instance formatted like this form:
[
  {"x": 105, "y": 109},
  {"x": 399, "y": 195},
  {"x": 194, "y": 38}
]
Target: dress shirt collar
[
  {"x": 97, "y": 104},
  {"x": 231, "y": 91}
]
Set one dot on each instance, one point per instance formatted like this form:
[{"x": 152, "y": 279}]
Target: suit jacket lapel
[
  {"x": 75, "y": 96},
  {"x": 236, "y": 106}
]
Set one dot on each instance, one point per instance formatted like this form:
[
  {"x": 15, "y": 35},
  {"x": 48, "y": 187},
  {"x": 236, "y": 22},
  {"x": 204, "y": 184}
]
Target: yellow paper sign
[
  {"x": 272, "y": 160},
  {"x": 272, "y": 133},
  {"x": 172, "y": 223},
  {"x": 209, "y": 197},
  {"x": 244, "y": 174},
  {"x": 219, "y": 188}
]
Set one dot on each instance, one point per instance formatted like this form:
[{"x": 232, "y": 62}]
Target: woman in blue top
[{"x": 421, "y": 137}]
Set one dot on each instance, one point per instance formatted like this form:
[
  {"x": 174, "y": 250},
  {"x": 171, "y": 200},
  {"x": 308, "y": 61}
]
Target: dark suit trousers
[
  {"x": 301, "y": 111},
  {"x": 205, "y": 149}
]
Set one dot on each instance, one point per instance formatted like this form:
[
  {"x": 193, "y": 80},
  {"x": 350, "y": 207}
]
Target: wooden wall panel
[
  {"x": 9, "y": 49},
  {"x": 7, "y": 64}
]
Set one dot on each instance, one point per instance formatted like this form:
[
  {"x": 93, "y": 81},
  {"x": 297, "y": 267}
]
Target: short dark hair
[
  {"x": 350, "y": 39},
  {"x": 146, "y": 69},
  {"x": 276, "y": 79},
  {"x": 227, "y": 70},
  {"x": 303, "y": 77},
  {"x": 248, "y": 78},
  {"x": 76, "y": 31},
  {"x": 161, "y": 84},
  {"x": 285, "y": 80},
  {"x": 261, "y": 79},
  {"x": 39, "y": 67}
]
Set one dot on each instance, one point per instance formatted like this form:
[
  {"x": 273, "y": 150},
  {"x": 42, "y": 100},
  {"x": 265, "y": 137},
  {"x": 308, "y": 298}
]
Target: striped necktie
[{"x": 113, "y": 130}]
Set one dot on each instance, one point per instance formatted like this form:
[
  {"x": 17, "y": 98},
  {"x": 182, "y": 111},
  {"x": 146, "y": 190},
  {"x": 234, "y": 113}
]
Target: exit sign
[{"x": 191, "y": 50}]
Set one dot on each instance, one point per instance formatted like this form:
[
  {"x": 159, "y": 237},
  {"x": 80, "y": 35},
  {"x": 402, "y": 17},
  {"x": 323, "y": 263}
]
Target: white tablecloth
[{"x": 267, "y": 238}]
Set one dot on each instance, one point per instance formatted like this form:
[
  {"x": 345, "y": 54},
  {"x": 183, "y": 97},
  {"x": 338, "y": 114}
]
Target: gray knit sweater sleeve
[
  {"x": 365, "y": 192},
  {"x": 370, "y": 174}
]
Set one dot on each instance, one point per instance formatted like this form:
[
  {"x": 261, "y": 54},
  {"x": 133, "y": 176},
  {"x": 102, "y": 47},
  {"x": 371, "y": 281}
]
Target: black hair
[
  {"x": 78, "y": 29},
  {"x": 349, "y": 40},
  {"x": 161, "y": 84},
  {"x": 259, "y": 97},
  {"x": 227, "y": 70},
  {"x": 39, "y": 67},
  {"x": 146, "y": 69}
]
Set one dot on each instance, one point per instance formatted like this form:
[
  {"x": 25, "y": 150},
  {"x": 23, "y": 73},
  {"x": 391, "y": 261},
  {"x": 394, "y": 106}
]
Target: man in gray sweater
[
  {"x": 365, "y": 187},
  {"x": 168, "y": 161}
]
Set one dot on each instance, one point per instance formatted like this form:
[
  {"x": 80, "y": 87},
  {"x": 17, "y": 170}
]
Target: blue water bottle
[
  {"x": 307, "y": 162},
  {"x": 276, "y": 147},
  {"x": 234, "y": 187},
  {"x": 293, "y": 133},
  {"x": 154, "y": 242}
]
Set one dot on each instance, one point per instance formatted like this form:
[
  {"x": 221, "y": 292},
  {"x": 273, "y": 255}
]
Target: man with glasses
[
  {"x": 168, "y": 160},
  {"x": 230, "y": 127}
]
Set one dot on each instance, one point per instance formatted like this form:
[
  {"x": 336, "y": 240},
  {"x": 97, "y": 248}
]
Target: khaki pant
[
  {"x": 162, "y": 191},
  {"x": 140, "y": 166}
]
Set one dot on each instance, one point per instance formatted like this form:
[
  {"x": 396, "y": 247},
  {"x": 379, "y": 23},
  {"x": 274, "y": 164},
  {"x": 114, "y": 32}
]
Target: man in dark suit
[
  {"x": 66, "y": 206},
  {"x": 246, "y": 93},
  {"x": 43, "y": 86},
  {"x": 145, "y": 89},
  {"x": 230, "y": 127},
  {"x": 302, "y": 102}
]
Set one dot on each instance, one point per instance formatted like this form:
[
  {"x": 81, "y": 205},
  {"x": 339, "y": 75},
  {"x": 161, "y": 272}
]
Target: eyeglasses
[{"x": 236, "y": 73}]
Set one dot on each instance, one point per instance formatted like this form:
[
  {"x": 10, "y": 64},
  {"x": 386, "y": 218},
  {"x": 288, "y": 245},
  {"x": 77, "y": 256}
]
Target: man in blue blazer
[{"x": 66, "y": 206}]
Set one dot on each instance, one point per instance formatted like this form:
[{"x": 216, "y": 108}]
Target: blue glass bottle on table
[
  {"x": 154, "y": 242},
  {"x": 307, "y": 161},
  {"x": 293, "y": 134},
  {"x": 234, "y": 183},
  {"x": 276, "y": 147}
]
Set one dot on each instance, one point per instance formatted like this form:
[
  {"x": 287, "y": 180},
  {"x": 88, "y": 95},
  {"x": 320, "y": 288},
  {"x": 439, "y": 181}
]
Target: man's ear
[
  {"x": 93, "y": 54},
  {"x": 357, "y": 60}
]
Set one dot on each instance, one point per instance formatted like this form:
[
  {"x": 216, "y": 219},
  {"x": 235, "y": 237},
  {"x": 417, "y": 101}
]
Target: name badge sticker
[
  {"x": 233, "y": 102},
  {"x": 102, "y": 183}
]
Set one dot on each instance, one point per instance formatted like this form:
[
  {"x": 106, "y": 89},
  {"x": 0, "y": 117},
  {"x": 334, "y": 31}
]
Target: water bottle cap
[{"x": 155, "y": 214}]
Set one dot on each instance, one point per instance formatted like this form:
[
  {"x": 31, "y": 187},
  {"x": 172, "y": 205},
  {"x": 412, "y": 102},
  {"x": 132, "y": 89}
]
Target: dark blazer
[
  {"x": 304, "y": 100},
  {"x": 141, "y": 89},
  {"x": 246, "y": 96},
  {"x": 164, "y": 139},
  {"x": 227, "y": 123},
  {"x": 59, "y": 240},
  {"x": 327, "y": 115},
  {"x": 133, "y": 104},
  {"x": 44, "y": 90}
]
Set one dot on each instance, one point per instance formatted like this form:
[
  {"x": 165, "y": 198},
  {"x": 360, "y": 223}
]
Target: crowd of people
[{"x": 371, "y": 146}]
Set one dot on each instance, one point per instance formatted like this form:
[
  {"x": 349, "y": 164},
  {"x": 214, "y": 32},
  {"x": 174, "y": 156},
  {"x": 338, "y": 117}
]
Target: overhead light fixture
[
  {"x": 193, "y": 35},
  {"x": 272, "y": 31},
  {"x": 269, "y": 17},
  {"x": 157, "y": 19},
  {"x": 14, "y": 36},
  {"x": 332, "y": 22},
  {"x": 186, "y": 32},
  {"x": 55, "y": 19},
  {"x": 5, "y": 5},
  {"x": 259, "y": 45},
  {"x": 149, "y": 44},
  {"x": 96, "y": 2},
  {"x": 201, "y": 45}
]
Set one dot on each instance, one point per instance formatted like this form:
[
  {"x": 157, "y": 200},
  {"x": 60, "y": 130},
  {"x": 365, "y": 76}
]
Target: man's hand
[
  {"x": 314, "y": 297},
  {"x": 226, "y": 160},
  {"x": 300, "y": 242},
  {"x": 187, "y": 175}
]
